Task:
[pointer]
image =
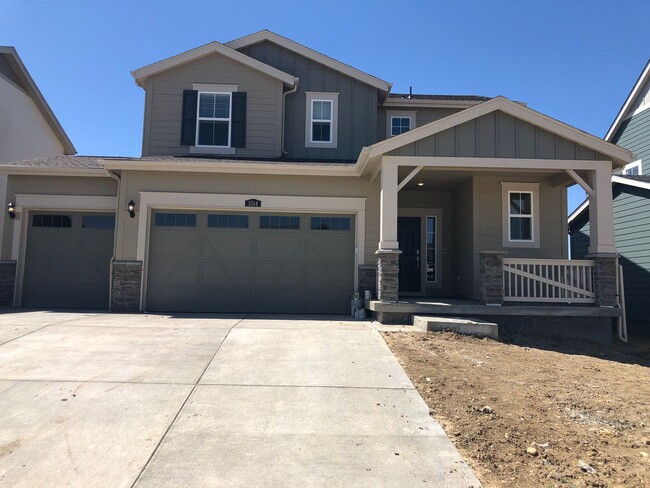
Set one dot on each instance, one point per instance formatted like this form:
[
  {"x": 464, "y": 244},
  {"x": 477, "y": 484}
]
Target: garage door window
[
  {"x": 175, "y": 220},
  {"x": 98, "y": 222},
  {"x": 331, "y": 223},
  {"x": 228, "y": 221},
  {"x": 279, "y": 222},
  {"x": 59, "y": 221}
]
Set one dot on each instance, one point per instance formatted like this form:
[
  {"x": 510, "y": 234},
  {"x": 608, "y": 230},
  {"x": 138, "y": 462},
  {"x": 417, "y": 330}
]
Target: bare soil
[{"x": 583, "y": 409}]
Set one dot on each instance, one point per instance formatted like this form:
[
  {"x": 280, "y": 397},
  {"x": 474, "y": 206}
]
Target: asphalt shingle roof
[
  {"x": 78, "y": 162},
  {"x": 643, "y": 178},
  {"x": 465, "y": 98}
]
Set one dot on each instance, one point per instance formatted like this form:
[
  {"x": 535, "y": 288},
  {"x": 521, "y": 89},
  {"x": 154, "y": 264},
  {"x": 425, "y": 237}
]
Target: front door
[{"x": 408, "y": 236}]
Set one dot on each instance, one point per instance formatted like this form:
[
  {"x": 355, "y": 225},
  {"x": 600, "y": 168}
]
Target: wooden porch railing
[{"x": 548, "y": 280}]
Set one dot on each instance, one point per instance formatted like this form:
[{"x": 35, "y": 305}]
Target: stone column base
[
  {"x": 7, "y": 283},
  {"x": 125, "y": 286},
  {"x": 605, "y": 273},
  {"x": 388, "y": 274},
  {"x": 491, "y": 277},
  {"x": 367, "y": 280}
]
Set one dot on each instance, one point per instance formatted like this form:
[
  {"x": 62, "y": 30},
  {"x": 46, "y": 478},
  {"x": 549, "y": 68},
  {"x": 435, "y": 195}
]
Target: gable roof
[
  {"x": 267, "y": 35},
  {"x": 141, "y": 74},
  {"x": 27, "y": 83},
  {"x": 619, "y": 156},
  {"x": 629, "y": 101}
]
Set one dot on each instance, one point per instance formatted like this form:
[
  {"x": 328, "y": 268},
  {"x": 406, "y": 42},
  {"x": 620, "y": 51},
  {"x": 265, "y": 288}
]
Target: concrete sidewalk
[{"x": 154, "y": 401}]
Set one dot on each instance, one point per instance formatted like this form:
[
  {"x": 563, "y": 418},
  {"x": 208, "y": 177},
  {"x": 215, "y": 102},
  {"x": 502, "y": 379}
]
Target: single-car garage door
[
  {"x": 250, "y": 262},
  {"x": 67, "y": 260}
]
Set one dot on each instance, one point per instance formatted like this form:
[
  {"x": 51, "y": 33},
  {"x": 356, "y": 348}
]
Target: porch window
[
  {"x": 431, "y": 249},
  {"x": 520, "y": 214}
]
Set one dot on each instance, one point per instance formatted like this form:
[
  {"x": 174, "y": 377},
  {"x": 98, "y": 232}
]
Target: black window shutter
[
  {"x": 188, "y": 122},
  {"x": 238, "y": 133}
]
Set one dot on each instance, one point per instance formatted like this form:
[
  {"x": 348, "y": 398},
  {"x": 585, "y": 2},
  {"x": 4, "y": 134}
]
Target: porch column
[
  {"x": 388, "y": 252},
  {"x": 601, "y": 213}
]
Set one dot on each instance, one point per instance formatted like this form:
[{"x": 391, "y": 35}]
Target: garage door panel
[
  {"x": 278, "y": 300},
  {"x": 87, "y": 271},
  {"x": 328, "y": 275},
  {"x": 173, "y": 298},
  {"x": 236, "y": 245},
  {"x": 330, "y": 247},
  {"x": 95, "y": 245},
  {"x": 287, "y": 274},
  {"x": 227, "y": 273},
  {"x": 53, "y": 244},
  {"x": 275, "y": 246},
  {"x": 181, "y": 243},
  {"x": 227, "y": 299},
  {"x": 328, "y": 302},
  {"x": 174, "y": 271}
]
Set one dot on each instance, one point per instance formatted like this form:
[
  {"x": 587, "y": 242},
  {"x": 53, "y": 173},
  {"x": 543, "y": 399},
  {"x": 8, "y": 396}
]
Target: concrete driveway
[{"x": 154, "y": 401}]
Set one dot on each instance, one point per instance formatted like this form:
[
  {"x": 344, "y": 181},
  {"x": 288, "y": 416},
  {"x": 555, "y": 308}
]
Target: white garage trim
[
  {"x": 27, "y": 202},
  {"x": 270, "y": 203}
]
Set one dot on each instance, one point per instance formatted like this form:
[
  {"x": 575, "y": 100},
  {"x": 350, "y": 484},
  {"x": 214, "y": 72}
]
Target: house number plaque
[{"x": 253, "y": 203}]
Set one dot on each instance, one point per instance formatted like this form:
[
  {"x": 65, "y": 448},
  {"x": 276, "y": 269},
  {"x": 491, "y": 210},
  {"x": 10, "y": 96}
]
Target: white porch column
[
  {"x": 388, "y": 208},
  {"x": 601, "y": 213}
]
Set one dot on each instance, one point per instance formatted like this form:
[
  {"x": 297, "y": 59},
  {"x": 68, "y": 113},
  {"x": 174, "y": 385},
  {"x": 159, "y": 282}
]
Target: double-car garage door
[{"x": 250, "y": 262}]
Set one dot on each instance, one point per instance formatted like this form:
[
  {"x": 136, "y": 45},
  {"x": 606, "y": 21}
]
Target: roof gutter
[{"x": 284, "y": 108}]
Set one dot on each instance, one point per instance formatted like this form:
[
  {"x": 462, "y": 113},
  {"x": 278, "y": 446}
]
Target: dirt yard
[{"x": 536, "y": 413}]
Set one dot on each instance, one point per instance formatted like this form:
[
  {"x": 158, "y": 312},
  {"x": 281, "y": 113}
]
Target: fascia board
[
  {"x": 266, "y": 35},
  {"x": 141, "y": 74}
]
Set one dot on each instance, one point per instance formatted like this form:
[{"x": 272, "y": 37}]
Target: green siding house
[{"x": 631, "y": 200}]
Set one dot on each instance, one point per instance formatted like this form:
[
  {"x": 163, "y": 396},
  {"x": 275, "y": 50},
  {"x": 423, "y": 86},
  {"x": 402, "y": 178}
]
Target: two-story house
[
  {"x": 28, "y": 127},
  {"x": 274, "y": 178},
  {"x": 631, "y": 187}
]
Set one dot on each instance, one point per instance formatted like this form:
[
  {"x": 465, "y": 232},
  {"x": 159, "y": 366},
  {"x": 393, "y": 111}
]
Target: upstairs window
[
  {"x": 633, "y": 169},
  {"x": 213, "y": 128},
  {"x": 399, "y": 125},
  {"x": 321, "y": 119}
]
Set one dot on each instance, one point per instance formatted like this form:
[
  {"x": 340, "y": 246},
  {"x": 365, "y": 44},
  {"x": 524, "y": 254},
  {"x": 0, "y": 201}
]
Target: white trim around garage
[{"x": 236, "y": 202}]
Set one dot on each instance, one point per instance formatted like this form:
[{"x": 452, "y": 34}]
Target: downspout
[
  {"x": 117, "y": 207},
  {"x": 284, "y": 106}
]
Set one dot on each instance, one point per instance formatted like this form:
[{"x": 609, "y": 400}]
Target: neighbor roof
[
  {"x": 141, "y": 74},
  {"x": 461, "y": 98},
  {"x": 28, "y": 84},
  {"x": 629, "y": 101},
  {"x": 267, "y": 35}
]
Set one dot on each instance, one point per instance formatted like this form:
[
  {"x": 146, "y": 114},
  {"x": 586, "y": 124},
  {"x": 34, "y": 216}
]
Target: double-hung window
[
  {"x": 521, "y": 221},
  {"x": 214, "y": 121},
  {"x": 321, "y": 119}
]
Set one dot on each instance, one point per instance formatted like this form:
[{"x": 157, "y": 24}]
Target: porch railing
[{"x": 548, "y": 280}]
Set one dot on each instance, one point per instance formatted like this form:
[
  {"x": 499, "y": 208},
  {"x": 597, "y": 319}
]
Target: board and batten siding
[
  {"x": 632, "y": 233},
  {"x": 164, "y": 100},
  {"x": 634, "y": 135},
  {"x": 498, "y": 135},
  {"x": 357, "y": 103}
]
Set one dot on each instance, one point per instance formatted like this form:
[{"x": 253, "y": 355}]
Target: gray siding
[
  {"x": 163, "y": 104},
  {"x": 634, "y": 135},
  {"x": 632, "y": 229},
  {"x": 463, "y": 241},
  {"x": 497, "y": 135},
  {"x": 357, "y": 120},
  {"x": 423, "y": 116}
]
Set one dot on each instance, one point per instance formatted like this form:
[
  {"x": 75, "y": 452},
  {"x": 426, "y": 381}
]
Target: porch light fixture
[
  {"x": 11, "y": 210},
  {"x": 131, "y": 208},
  {"x": 420, "y": 184}
]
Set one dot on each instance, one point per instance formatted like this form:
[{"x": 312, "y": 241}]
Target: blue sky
[{"x": 572, "y": 60}]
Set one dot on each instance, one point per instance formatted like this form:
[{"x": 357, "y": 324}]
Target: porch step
[{"x": 467, "y": 326}]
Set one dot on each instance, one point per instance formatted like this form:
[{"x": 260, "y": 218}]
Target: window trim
[
  {"x": 390, "y": 114},
  {"x": 312, "y": 97},
  {"x": 311, "y": 122},
  {"x": 634, "y": 164},
  {"x": 507, "y": 189},
  {"x": 211, "y": 119}
]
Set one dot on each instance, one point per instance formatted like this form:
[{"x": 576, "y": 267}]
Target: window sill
[
  {"x": 212, "y": 150},
  {"x": 521, "y": 244}
]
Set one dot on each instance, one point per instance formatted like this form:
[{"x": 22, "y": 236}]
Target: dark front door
[{"x": 408, "y": 235}]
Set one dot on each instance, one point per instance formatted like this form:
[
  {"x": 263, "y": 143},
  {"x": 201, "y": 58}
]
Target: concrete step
[{"x": 465, "y": 325}]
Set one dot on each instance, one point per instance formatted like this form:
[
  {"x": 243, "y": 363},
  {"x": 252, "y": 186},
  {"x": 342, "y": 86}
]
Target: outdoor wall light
[
  {"x": 131, "y": 208},
  {"x": 11, "y": 210}
]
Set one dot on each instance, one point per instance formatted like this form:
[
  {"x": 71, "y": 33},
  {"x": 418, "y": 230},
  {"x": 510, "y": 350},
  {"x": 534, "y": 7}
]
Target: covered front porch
[{"x": 474, "y": 207}]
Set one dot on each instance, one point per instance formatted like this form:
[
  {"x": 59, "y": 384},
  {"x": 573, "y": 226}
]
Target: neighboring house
[
  {"x": 631, "y": 192},
  {"x": 28, "y": 128},
  {"x": 276, "y": 179}
]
